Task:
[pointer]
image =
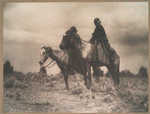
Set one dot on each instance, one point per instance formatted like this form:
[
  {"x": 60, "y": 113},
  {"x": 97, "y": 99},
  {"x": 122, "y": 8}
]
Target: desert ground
[{"x": 38, "y": 93}]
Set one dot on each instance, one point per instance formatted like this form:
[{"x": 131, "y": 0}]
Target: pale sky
[{"x": 28, "y": 26}]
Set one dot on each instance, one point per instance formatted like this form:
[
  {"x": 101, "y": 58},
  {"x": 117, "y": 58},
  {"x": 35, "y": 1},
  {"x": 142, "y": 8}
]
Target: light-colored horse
[{"x": 61, "y": 58}]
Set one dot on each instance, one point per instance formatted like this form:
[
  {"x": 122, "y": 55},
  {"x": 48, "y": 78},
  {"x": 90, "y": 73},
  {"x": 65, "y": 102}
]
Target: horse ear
[{"x": 43, "y": 47}]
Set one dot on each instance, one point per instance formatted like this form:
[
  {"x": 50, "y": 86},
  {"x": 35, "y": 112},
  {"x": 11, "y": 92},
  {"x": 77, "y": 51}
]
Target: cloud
[
  {"x": 135, "y": 40},
  {"x": 27, "y": 26}
]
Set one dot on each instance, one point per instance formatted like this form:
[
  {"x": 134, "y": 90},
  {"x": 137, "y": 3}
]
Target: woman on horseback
[{"x": 99, "y": 36}]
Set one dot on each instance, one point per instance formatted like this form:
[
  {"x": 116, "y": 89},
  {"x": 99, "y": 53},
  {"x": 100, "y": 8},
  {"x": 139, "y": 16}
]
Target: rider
[
  {"x": 99, "y": 36},
  {"x": 73, "y": 30}
]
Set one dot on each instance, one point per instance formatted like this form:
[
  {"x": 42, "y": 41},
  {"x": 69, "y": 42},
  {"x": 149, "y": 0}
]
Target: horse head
[
  {"x": 70, "y": 41},
  {"x": 45, "y": 53}
]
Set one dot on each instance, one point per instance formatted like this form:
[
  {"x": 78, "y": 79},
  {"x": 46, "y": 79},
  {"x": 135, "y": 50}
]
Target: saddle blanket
[{"x": 100, "y": 54}]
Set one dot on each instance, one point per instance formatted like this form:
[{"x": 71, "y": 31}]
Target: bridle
[
  {"x": 47, "y": 66},
  {"x": 52, "y": 59},
  {"x": 55, "y": 61}
]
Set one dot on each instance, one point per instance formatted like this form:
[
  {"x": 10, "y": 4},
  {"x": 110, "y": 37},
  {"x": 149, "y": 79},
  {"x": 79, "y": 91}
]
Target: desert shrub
[
  {"x": 20, "y": 85},
  {"x": 76, "y": 78},
  {"x": 17, "y": 94},
  {"x": 38, "y": 77},
  {"x": 129, "y": 97},
  {"x": 43, "y": 70},
  {"x": 48, "y": 79},
  {"x": 78, "y": 88},
  {"x": 108, "y": 98},
  {"x": 18, "y": 76},
  {"x": 142, "y": 97},
  {"x": 116, "y": 109},
  {"x": 9, "y": 83},
  {"x": 105, "y": 85},
  {"x": 60, "y": 75},
  {"x": 55, "y": 78},
  {"x": 126, "y": 73},
  {"x": 30, "y": 77},
  {"x": 81, "y": 90},
  {"x": 95, "y": 88},
  {"x": 7, "y": 68},
  {"x": 125, "y": 94},
  {"x": 51, "y": 84},
  {"x": 143, "y": 72},
  {"x": 77, "y": 91},
  {"x": 124, "y": 85}
]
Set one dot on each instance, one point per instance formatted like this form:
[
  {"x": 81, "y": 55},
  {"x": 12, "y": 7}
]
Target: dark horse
[{"x": 81, "y": 58}]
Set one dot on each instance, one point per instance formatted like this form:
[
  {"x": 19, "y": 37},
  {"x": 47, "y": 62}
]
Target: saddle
[{"x": 102, "y": 52}]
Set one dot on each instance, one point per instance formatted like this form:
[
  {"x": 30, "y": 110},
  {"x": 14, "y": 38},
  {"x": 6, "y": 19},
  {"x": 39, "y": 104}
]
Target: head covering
[
  {"x": 73, "y": 29},
  {"x": 97, "y": 20}
]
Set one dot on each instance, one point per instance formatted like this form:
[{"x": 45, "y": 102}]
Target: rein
[
  {"x": 64, "y": 54},
  {"x": 49, "y": 63},
  {"x": 83, "y": 45},
  {"x": 84, "y": 40},
  {"x": 55, "y": 61}
]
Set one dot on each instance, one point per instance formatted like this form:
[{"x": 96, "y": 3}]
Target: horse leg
[
  {"x": 66, "y": 81},
  {"x": 85, "y": 79},
  {"x": 65, "y": 73},
  {"x": 111, "y": 69},
  {"x": 89, "y": 75},
  {"x": 95, "y": 73},
  {"x": 116, "y": 69},
  {"x": 117, "y": 74}
]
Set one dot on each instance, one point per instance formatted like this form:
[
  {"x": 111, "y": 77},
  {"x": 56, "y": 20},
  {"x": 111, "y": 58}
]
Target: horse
[
  {"x": 61, "y": 58},
  {"x": 81, "y": 53}
]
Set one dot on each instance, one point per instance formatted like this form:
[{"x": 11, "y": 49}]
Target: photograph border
[{"x": 15, "y": 1}]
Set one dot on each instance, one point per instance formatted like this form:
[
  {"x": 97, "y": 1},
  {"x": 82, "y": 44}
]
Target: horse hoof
[
  {"x": 116, "y": 85},
  {"x": 88, "y": 87},
  {"x": 68, "y": 89},
  {"x": 85, "y": 84}
]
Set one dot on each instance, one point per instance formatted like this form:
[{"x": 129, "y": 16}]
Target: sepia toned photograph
[{"x": 75, "y": 57}]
